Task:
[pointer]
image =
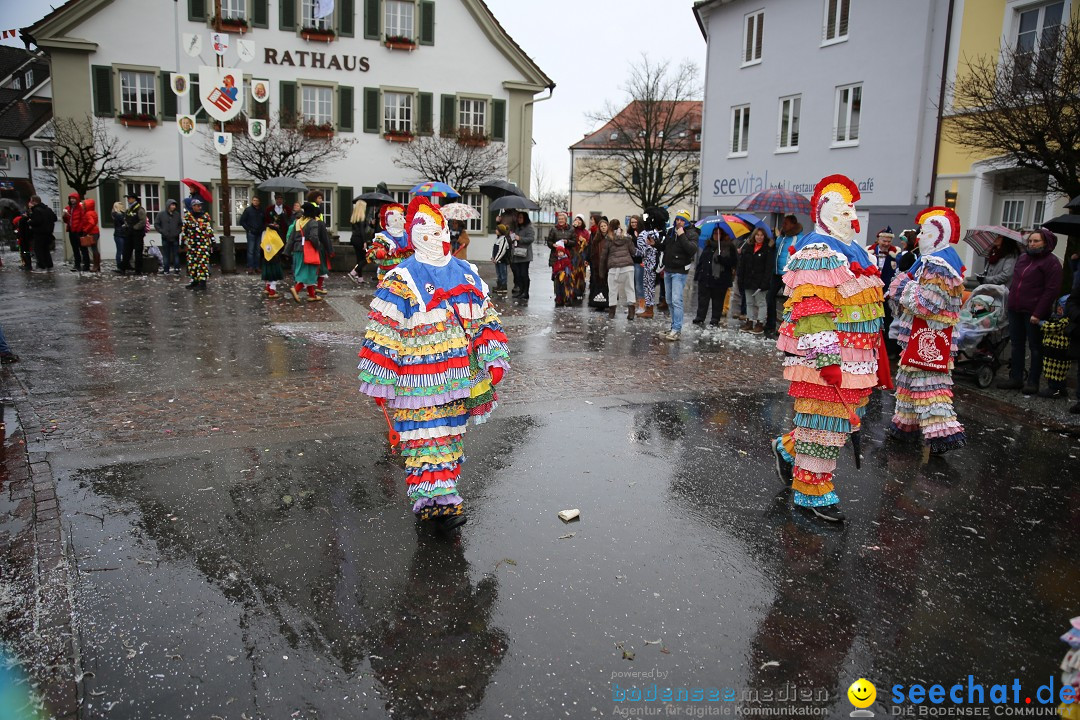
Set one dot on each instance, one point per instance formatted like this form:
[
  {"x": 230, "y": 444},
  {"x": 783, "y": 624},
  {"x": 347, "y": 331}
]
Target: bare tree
[
  {"x": 460, "y": 163},
  {"x": 547, "y": 197},
  {"x": 294, "y": 149},
  {"x": 650, "y": 148},
  {"x": 1021, "y": 107},
  {"x": 87, "y": 154}
]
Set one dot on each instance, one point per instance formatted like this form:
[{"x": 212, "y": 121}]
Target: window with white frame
[
  {"x": 401, "y": 197},
  {"x": 138, "y": 93},
  {"x": 1012, "y": 214},
  {"x": 307, "y": 16},
  {"x": 740, "y": 130},
  {"x": 836, "y": 20},
  {"x": 398, "y": 19},
  {"x": 476, "y": 201},
  {"x": 234, "y": 9},
  {"x": 397, "y": 112},
  {"x": 1038, "y": 30},
  {"x": 44, "y": 159},
  {"x": 317, "y": 104},
  {"x": 1037, "y": 215},
  {"x": 16, "y": 84},
  {"x": 29, "y": 78},
  {"x": 149, "y": 194},
  {"x": 790, "y": 108},
  {"x": 240, "y": 199},
  {"x": 472, "y": 116},
  {"x": 848, "y": 112},
  {"x": 753, "y": 24}
]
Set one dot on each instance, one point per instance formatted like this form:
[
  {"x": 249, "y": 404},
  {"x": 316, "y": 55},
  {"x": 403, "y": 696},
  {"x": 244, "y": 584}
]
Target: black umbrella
[
  {"x": 514, "y": 202},
  {"x": 500, "y": 188},
  {"x": 1064, "y": 225},
  {"x": 374, "y": 197},
  {"x": 1073, "y": 204}
]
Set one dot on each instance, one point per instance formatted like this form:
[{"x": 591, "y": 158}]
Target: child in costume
[
  {"x": 433, "y": 351},
  {"x": 198, "y": 234},
  {"x": 562, "y": 273},
  {"x": 1055, "y": 351},
  {"x": 272, "y": 246},
  {"x": 648, "y": 244},
  {"x": 926, "y": 303},
  {"x": 831, "y": 337},
  {"x": 391, "y": 245}
]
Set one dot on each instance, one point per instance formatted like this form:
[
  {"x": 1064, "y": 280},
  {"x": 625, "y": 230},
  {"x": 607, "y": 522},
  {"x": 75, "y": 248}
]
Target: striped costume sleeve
[{"x": 381, "y": 352}]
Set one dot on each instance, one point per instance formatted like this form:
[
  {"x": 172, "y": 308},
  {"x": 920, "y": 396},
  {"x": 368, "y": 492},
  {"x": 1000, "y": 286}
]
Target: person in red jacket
[
  {"x": 1035, "y": 283},
  {"x": 90, "y": 227},
  {"x": 74, "y": 219}
]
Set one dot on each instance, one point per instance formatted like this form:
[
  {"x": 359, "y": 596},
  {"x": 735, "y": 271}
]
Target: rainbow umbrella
[
  {"x": 435, "y": 189},
  {"x": 733, "y": 225},
  {"x": 755, "y": 222}
]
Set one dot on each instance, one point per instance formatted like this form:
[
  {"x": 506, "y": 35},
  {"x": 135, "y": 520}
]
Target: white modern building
[
  {"x": 799, "y": 89},
  {"x": 371, "y": 69}
]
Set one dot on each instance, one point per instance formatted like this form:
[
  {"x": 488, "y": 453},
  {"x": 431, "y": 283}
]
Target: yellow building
[{"x": 985, "y": 190}]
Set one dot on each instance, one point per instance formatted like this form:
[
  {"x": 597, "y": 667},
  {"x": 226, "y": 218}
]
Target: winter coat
[
  {"x": 555, "y": 234},
  {"x": 314, "y": 232},
  {"x": 1000, "y": 273},
  {"x": 280, "y": 222},
  {"x": 526, "y": 237},
  {"x": 679, "y": 252},
  {"x": 756, "y": 267},
  {"x": 90, "y": 219},
  {"x": 618, "y": 251},
  {"x": 42, "y": 222},
  {"x": 169, "y": 224},
  {"x": 889, "y": 266},
  {"x": 252, "y": 220},
  {"x": 75, "y": 215},
  {"x": 716, "y": 266},
  {"x": 119, "y": 230},
  {"x": 135, "y": 221},
  {"x": 1035, "y": 283}
]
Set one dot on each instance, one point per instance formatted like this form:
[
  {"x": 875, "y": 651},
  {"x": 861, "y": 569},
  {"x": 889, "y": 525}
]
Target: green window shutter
[
  {"x": 371, "y": 110},
  {"x": 196, "y": 10},
  {"x": 448, "y": 116},
  {"x": 172, "y": 192},
  {"x": 427, "y": 22},
  {"x": 108, "y": 193},
  {"x": 426, "y": 102},
  {"x": 498, "y": 120},
  {"x": 168, "y": 98},
  {"x": 344, "y": 207},
  {"x": 287, "y": 16},
  {"x": 346, "y": 24},
  {"x": 287, "y": 103},
  {"x": 193, "y": 99},
  {"x": 372, "y": 19},
  {"x": 260, "y": 13},
  {"x": 345, "y": 108},
  {"x": 103, "y": 90}
]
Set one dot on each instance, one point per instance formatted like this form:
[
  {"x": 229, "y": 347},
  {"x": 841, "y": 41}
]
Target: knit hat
[
  {"x": 503, "y": 230},
  {"x": 887, "y": 232},
  {"x": 685, "y": 215}
]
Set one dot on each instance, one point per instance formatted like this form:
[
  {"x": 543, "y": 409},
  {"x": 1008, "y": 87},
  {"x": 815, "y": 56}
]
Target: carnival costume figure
[{"x": 390, "y": 245}]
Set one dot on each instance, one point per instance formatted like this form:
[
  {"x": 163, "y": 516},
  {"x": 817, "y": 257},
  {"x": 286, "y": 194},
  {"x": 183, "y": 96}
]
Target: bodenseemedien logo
[{"x": 862, "y": 694}]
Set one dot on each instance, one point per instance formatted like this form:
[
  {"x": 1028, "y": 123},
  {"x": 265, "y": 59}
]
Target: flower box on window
[
  {"x": 401, "y": 136},
  {"x": 137, "y": 120},
  {"x": 399, "y": 42},
  {"x": 471, "y": 138},
  {"x": 326, "y": 130},
  {"x": 318, "y": 34},
  {"x": 233, "y": 25}
]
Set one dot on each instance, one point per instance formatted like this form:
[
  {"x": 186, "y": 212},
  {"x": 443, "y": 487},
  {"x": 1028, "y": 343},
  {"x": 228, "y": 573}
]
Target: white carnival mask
[
  {"x": 933, "y": 235},
  {"x": 837, "y": 218},
  {"x": 430, "y": 239},
  {"x": 395, "y": 223}
]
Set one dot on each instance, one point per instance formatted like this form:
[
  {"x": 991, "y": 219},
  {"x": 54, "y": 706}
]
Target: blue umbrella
[
  {"x": 435, "y": 189},
  {"x": 756, "y": 222}
]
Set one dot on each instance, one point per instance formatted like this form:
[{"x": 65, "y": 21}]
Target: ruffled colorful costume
[
  {"x": 932, "y": 290},
  {"x": 198, "y": 235},
  {"x": 432, "y": 339},
  {"x": 833, "y": 316},
  {"x": 396, "y": 250},
  {"x": 562, "y": 274}
]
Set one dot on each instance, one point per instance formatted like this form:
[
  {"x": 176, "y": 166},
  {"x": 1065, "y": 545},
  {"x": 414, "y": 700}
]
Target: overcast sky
[{"x": 585, "y": 46}]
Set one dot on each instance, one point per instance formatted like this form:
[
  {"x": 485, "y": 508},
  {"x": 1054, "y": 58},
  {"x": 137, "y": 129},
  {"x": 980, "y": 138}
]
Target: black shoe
[
  {"x": 784, "y": 470},
  {"x": 1010, "y": 384},
  {"x": 8, "y": 358},
  {"x": 714, "y": 323},
  {"x": 828, "y": 513},
  {"x": 192, "y": 285},
  {"x": 1030, "y": 389},
  {"x": 201, "y": 286},
  {"x": 1075, "y": 409},
  {"x": 695, "y": 321},
  {"x": 1054, "y": 393},
  {"x": 448, "y": 523},
  {"x": 118, "y": 271}
]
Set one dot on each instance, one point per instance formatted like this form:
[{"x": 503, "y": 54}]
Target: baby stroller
[{"x": 982, "y": 334}]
